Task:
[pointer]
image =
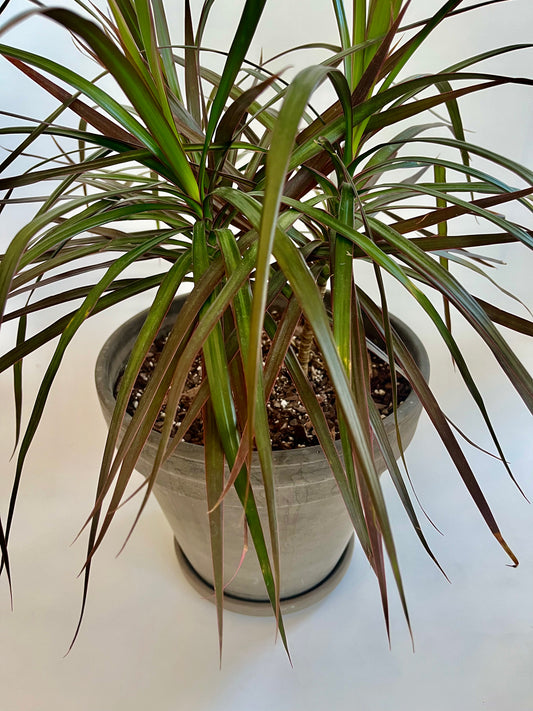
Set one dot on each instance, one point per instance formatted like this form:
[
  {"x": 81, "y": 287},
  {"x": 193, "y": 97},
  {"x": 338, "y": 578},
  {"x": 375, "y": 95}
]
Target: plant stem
[{"x": 307, "y": 335}]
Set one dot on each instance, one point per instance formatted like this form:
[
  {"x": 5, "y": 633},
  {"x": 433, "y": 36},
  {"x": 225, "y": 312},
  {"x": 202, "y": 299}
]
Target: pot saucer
[{"x": 263, "y": 608}]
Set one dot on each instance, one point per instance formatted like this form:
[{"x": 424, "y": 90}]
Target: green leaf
[
  {"x": 344, "y": 34},
  {"x": 163, "y": 36},
  {"x": 192, "y": 84},
  {"x": 5, "y": 560},
  {"x": 150, "y": 53},
  {"x": 242, "y": 306},
  {"x": 214, "y": 469},
  {"x": 359, "y": 36},
  {"x": 206, "y": 7},
  {"x": 244, "y": 33},
  {"x": 17, "y": 379},
  {"x": 283, "y": 138},
  {"x": 506, "y": 319},
  {"x": 345, "y": 323}
]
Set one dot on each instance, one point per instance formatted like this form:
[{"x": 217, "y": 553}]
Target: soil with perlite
[{"x": 290, "y": 426}]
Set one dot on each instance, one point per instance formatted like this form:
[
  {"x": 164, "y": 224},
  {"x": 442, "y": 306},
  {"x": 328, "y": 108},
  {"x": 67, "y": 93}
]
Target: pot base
[{"x": 260, "y": 608}]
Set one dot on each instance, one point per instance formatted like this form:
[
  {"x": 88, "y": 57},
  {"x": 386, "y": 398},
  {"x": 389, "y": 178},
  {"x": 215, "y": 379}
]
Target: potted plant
[{"x": 260, "y": 204}]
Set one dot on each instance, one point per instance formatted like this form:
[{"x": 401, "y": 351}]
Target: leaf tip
[{"x": 506, "y": 548}]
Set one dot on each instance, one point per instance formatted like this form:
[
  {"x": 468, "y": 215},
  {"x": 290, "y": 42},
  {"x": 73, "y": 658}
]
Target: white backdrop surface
[{"x": 148, "y": 640}]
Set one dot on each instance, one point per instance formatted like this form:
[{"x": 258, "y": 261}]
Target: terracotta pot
[{"x": 315, "y": 530}]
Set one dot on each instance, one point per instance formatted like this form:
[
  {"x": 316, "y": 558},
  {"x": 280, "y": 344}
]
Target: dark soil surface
[{"x": 290, "y": 426}]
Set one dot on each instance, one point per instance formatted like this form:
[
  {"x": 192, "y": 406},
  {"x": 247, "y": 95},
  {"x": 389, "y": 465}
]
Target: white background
[{"x": 148, "y": 640}]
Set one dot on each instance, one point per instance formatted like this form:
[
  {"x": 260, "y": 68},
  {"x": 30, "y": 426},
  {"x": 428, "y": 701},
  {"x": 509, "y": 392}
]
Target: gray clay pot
[{"x": 314, "y": 527}]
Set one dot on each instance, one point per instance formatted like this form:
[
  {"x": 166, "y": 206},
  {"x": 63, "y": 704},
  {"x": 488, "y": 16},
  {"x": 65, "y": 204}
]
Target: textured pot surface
[{"x": 313, "y": 524}]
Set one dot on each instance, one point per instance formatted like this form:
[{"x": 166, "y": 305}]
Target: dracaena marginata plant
[{"x": 250, "y": 192}]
